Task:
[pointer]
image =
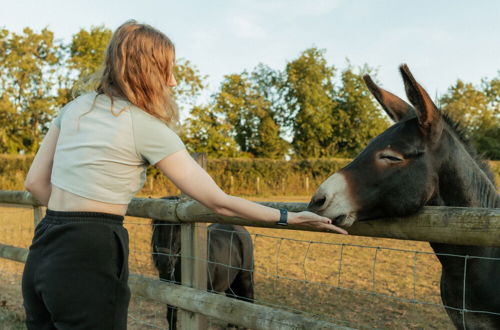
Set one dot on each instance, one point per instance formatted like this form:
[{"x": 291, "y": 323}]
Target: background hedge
[{"x": 243, "y": 176}]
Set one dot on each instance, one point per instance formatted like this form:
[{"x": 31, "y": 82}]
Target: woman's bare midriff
[{"x": 62, "y": 200}]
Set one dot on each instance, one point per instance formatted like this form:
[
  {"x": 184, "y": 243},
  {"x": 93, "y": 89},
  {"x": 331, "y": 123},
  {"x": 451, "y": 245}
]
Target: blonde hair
[{"x": 138, "y": 65}]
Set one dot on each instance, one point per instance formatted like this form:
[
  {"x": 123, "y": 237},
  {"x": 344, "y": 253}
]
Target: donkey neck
[{"x": 462, "y": 181}]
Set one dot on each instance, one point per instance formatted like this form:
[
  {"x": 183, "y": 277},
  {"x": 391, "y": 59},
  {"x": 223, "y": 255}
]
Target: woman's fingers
[
  {"x": 330, "y": 227},
  {"x": 337, "y": 229},
  {"x": 313, "y": 220}
]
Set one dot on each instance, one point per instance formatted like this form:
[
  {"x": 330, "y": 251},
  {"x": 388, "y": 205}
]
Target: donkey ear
[
  {"x": 395, "y": 107},
  {"x": 427, "y": 112}
]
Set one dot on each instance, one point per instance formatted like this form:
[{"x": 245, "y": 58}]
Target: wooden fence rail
[{"x": 450, "y": 225}]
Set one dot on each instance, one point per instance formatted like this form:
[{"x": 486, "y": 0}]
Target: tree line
[{"x": 308, "y": 109}]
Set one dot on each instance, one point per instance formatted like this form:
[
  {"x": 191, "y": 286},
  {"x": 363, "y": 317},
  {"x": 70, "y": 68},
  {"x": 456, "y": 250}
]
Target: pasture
[{"x": 353, "y": 281}]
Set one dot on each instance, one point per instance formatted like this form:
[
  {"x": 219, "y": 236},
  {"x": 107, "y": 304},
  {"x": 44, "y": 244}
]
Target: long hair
[{"x": 138, "y": 65}]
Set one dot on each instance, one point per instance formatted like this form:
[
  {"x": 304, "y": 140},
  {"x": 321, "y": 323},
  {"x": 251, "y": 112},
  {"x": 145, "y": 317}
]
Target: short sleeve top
[{"x": 105, "y": 146}]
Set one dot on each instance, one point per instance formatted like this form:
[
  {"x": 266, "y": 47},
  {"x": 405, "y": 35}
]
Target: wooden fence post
[
  {"x": 151, "y": 184},
  {"x": 194, "y": 262},
  {"x": 307, "y": 184},
  {"x": 257, "y": 184},
  {"x": 38, "y": 214},
  {"x": 231, "y": 185}
]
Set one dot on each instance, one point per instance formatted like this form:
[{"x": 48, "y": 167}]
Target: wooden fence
[{"x": 452, "y": 225}]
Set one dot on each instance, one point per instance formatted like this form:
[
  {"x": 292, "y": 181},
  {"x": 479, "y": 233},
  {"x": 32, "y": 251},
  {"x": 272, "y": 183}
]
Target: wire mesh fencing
[{"x": 358, "y": 282}]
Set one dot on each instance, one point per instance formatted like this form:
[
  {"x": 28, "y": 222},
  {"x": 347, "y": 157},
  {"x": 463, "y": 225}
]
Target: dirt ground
[{"x": 353, "y": 281}]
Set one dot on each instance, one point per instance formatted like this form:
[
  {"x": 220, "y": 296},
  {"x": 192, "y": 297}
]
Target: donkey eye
[{"x": 391, "y": 158}]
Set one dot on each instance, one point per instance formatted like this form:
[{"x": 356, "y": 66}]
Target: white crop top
[{"x": 103, "y": 156}]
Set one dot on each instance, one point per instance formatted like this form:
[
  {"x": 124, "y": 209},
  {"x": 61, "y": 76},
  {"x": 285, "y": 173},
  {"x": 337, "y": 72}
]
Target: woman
[{"x": 89, "y": 166}]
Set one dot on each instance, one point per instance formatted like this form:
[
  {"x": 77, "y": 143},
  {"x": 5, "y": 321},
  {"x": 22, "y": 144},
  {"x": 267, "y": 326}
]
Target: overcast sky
[{"x": 440, "y": 40}]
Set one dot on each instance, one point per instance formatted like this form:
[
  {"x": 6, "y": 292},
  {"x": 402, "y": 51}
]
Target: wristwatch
[{"x": 283, "y": 218}]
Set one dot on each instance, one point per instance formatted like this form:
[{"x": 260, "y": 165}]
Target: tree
[
  {"x": 309, "y": 98},
  {"x": 466, "y": 105},
  {"x": 190, "y": 83},
  {"x": 271, "y": 85},
  {"x": 357, "y": 118},
  {"x": 492, "y": 90},
  {"x": 29, "y": 65},
  {"x": 477, "y": 112},
  {"x": 87, "y": 50},
  {"x": 207, "y": 131},
  {"x": 250, "y": 115}
]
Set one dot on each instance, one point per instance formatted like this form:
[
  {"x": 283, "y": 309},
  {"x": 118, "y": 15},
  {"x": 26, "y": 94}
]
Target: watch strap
[{"x": 283, "y": 218}]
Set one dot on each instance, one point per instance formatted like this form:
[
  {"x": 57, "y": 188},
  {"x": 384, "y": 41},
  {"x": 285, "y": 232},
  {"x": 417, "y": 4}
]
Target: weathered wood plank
[
  {"x": 193, "y": 270},
  {"x": 218, "y": 306},
  {"x": 153, "y": 208},
  {"x": 13, "y": 253},
  {"x": 451, "y": 225},
  {"x": 18, "y": 197}
]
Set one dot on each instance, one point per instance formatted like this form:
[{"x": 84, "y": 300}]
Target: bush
[{"x": 239, "y": 176}]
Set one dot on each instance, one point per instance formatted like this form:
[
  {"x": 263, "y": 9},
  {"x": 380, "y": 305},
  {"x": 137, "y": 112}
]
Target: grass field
[{"x": 354, "y": 281}]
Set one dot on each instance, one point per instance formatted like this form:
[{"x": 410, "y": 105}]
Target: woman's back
[{"x": 102, "y": 153}]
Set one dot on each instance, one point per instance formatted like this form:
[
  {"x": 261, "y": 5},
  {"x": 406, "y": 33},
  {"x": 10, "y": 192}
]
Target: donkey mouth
[{"x": 344, "y": 220}]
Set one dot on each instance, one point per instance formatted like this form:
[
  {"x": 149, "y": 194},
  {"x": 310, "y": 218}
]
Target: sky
[{"x": 441, "y": 41}]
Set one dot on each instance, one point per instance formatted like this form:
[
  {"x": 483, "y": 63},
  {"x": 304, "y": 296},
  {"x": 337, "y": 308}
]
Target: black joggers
[{"x": 76, "y": 273}]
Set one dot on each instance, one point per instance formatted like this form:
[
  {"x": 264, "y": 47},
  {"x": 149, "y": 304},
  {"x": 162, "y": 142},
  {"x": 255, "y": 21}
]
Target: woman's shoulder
[
  {"x": 80, "y": 100},
  {"x": 144, "y": 118},
  {"x": 90, "y": 96},
  {"x": 147, "y": 125}
]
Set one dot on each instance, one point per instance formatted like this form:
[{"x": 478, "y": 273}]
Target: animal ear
[
  {"x": 427, "y": 112},
  {"x": 395, "y": 107}
]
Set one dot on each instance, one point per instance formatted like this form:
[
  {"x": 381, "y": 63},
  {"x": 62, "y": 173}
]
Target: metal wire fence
[{"x": 357, "y": 282}]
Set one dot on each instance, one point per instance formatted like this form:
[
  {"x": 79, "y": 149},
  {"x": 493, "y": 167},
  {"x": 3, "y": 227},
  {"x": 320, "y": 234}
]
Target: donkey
[
  {"x": 230, "y": 260},
  {"x": 423, "y": 159}
]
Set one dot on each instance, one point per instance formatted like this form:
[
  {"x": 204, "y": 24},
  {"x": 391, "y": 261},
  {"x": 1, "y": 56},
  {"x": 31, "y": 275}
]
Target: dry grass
[{"x": 325, "y": 274}]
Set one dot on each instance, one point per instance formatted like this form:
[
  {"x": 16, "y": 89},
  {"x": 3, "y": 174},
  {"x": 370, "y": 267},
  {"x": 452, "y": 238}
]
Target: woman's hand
[{"x": 313, "y": 220}]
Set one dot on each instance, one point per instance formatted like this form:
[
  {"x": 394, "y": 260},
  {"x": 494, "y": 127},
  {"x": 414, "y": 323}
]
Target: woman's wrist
[{"x": 291, "y": 217}]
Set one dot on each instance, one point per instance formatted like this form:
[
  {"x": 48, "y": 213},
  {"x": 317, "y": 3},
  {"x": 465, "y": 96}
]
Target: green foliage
[
  {"x": 309, "y": 96},
  {"x": 357, "y": 118},
  {"x": 276, "y": 177},
  {"x": 250, "y": 115},
  {"x": 13, "y": 170},
  {"x": 239, "y": 121},
  {"x": 28, "y": 79},
  {"x": 87, "y": 50},
  {"x": 189, "y": 83},
  {"x": 488, "y": 142},
  {"x": 477, "y": 110},
  {"x": 206, "y": 131}
]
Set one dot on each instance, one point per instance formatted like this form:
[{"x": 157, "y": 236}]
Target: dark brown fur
[{"x": 230, "y": 260}]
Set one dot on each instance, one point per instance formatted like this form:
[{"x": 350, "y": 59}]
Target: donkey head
[{"x": 396, "y": 173}]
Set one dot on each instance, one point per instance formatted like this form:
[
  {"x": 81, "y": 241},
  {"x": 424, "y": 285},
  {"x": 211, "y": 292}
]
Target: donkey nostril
[{"x": 317, "y": 202}]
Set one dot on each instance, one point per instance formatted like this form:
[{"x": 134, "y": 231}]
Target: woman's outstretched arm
[{"x": 194, "y": 181}]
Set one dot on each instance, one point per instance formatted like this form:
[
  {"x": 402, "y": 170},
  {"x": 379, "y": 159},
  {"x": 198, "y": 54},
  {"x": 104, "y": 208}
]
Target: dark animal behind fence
[
  {"x": 230, "y": 259},
  {"x": 423, "y": 159}
]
